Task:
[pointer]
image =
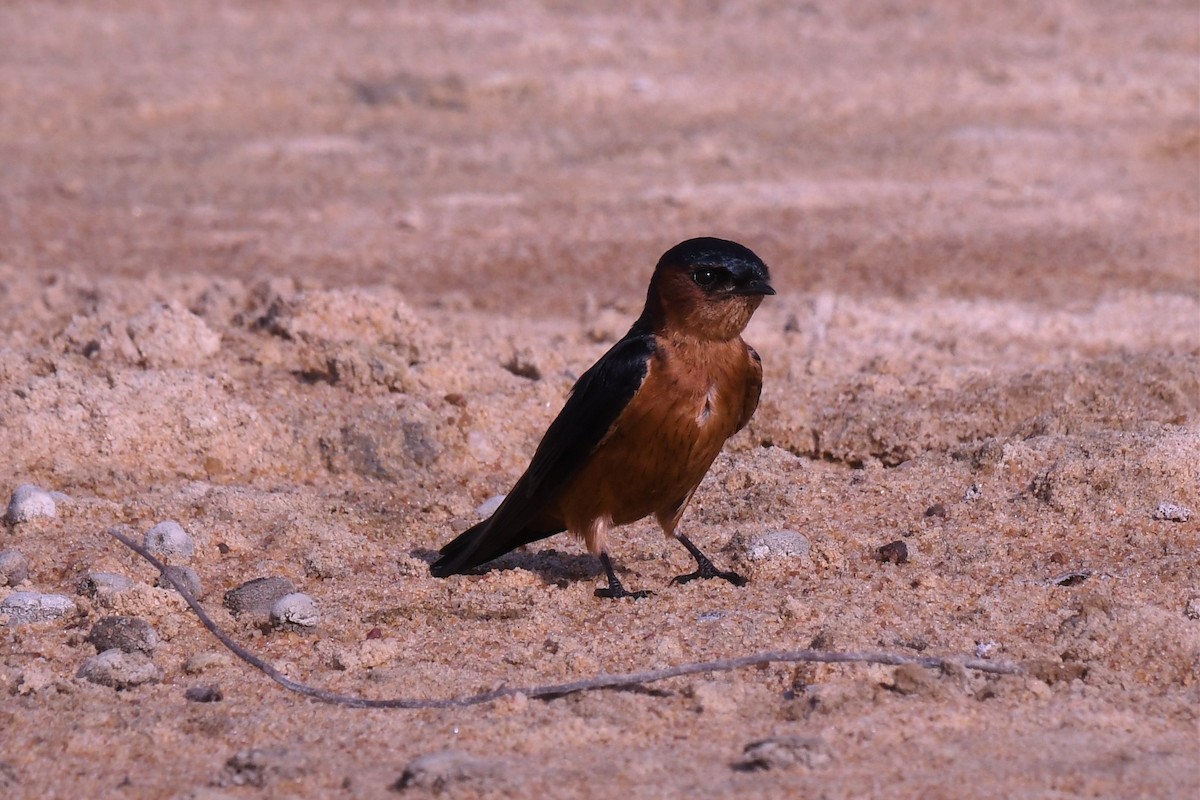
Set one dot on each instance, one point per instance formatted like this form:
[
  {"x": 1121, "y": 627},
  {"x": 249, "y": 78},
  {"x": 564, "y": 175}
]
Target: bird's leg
[
  {"x": 704, "y": 567},
  {"x": 614, "y": 589}
]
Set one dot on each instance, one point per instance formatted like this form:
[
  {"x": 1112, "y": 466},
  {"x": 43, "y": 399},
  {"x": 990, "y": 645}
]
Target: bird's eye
[{"x": 708, "y": 278}]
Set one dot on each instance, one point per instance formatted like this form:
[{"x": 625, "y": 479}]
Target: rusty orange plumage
[{"x": 642, "y": 426}]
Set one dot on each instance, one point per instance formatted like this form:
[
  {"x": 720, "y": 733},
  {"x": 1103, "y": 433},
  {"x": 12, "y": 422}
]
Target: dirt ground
[{"x": 311, "y": 280}]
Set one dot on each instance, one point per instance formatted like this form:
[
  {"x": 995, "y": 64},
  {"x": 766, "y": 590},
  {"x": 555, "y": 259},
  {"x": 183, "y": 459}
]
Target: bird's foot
[
  {"x": 705, "y": 568},
  {"x": 707, "y": 571},
  {"x": 615, "y": 590},
  {"x": 619, "y": 591}
]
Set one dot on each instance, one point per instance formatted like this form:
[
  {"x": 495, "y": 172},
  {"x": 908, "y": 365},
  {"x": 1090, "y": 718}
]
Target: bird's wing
[
  {"x": 591, "y": 410},
  {"x": 595, "y": 403},
  {"x": 753, "y": 387}
]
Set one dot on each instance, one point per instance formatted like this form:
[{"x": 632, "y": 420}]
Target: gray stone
[
  {"x": 120, "y": 670},
  {"x": 204, "y": 694},
  {"x": 26, "y": 607},
  {"x": 1192, "y": 609},
  {"x": 778, "y": 544},
  {"x": 206, "y": 793},
  {"x": 128, "y": 634},
  {"x": 489, "y": 506},
  {"x": 202, "y": 662},
  {"x": 30, "y": 502},
  {"x": 1172, "y": 512},
  {"x": 785, "y": 752},
  {"x": 262, "y": 766},
  {"x": 103, "y": 584},
  {"x": 436, "y": 771},
  {"x": 295, "y": 609},
  {"x": 256, "y": 598},
  {"x": 170, "y": 542},
  {"x": 14, "y": 567}
]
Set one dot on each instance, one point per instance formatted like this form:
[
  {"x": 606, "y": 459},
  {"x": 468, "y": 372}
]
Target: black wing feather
[{"x": 595, "y": 403}]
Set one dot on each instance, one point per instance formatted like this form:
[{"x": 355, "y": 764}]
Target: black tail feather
[{"x": 478, "y": 545}]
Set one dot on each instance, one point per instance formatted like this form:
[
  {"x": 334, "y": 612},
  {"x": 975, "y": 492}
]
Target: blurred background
[
  {"x": 541, "y": 152},
  {"x": 984, "y": 222}
]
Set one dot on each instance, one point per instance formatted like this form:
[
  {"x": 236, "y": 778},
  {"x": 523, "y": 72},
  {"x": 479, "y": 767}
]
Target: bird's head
[{"x": 706, "y": 288}]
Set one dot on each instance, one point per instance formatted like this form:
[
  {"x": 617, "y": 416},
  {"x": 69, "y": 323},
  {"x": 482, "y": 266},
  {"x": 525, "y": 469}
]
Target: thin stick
[{"x": 550, "y": 691}]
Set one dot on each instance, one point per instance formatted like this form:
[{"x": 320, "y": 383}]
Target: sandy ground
[{"x": 311, "y": 281}]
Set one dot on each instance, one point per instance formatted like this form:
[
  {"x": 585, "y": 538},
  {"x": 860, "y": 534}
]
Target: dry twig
[{"x": 550, "y": 691}]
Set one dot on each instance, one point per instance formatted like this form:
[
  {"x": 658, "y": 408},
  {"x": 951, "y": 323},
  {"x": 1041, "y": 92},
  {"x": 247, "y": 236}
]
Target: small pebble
[
  {"x": 985, "y": 649},
  {"x": 262, "y": 766},
  {"x": 119, "y": 670},
  {"x": 778, "y": 544},
  {"x": 169, "y": 541},
  {"x": 489, "y": 506},
  {"x": 522, "y": 365},
  {"x": 792, "y": 608},
  {"x": 1073, "y": 578},
  {"x": 14, "y": 567},
  {"x": 480, "y": 446},
  {"x": 1192, "y": 609},
  {"x": 201, "y": 662},
  {"x": 894, "y": 552},
  {"x": 1172, "y": 512},
  {"x": 436, "y": 771},
  {"x": 206, "y": 793},
  {"x": 936, "y": 510},
  {"x": 295, "y": 609},
  {"x": 973, "y": 492},
  {"x": 26, "y": 607},
  {"x": 102, "y": 584},
  {"x": 785, "y": 752},
  {"x": 128, "y": 634},
  {"x": 30, "y": 502},
  {"x": 186, "y": 576},
  {"x": 258, "y": 596},
  {"x": 204, "y": 694}
]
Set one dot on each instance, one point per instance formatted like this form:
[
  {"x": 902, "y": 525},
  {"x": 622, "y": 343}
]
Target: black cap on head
[{"x": 720, "y": 265}]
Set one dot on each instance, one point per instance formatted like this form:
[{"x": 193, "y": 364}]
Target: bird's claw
[
  {"x": 619, "y": 591},
  {"x": 710, "y": 571}
]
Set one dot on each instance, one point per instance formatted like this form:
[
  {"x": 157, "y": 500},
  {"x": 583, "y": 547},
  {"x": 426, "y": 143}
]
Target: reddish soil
[{"x": 271, "y": 271}]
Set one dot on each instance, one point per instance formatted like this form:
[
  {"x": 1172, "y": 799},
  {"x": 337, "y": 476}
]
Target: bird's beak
[{"x": 754, "y": 287}]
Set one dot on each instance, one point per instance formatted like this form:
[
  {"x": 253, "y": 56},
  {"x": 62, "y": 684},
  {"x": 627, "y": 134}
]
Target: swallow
[{"x": 642, "y": 426}]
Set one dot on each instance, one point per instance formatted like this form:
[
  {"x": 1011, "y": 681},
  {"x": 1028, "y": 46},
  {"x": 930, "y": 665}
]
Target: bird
[{"x": 641, "y": 427}]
